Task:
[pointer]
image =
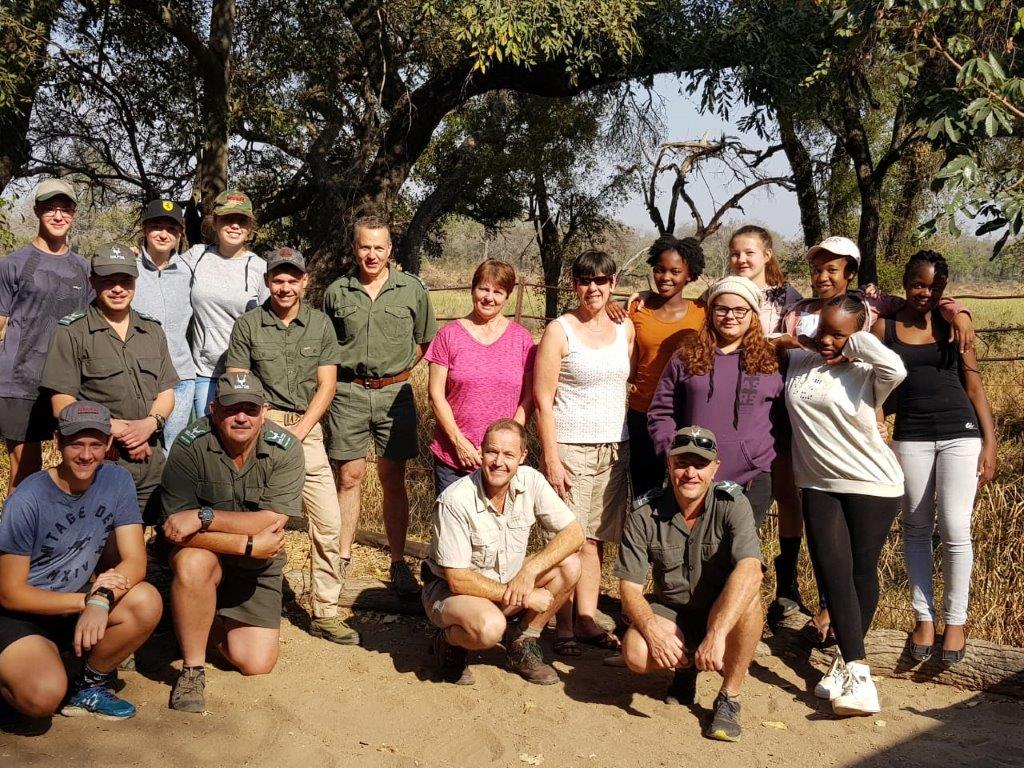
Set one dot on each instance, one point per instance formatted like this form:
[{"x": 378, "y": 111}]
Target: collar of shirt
[
  {"x": 483, "y": 504},
  {"x": 667, "y": 510},
  {"x": 150, "y": 266},
  {"x": 215, "y": 446},
  {"x": 95, "y": 321},
  {"x": 353, "y": 283},
  {"x": 268, "y": 316}
]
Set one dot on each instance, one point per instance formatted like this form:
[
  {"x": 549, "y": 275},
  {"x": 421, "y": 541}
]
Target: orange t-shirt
[{"x": 656, "y": 340}]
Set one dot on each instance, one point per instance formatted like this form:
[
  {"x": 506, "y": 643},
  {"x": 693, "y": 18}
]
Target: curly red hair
[{"x": 697, "y": 350}]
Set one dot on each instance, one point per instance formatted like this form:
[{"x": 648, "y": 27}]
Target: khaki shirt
[
  {"x": 284, "y": 358},
  {"x": 690, "y": 567},
  {"x": 378, "y": 337},
  {"x": 468, "y": 532},
  {"x": 89, "y": 361}
]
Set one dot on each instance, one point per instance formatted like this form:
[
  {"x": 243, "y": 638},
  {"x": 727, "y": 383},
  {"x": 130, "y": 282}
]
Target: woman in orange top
[{"x": 661, "y": 318}]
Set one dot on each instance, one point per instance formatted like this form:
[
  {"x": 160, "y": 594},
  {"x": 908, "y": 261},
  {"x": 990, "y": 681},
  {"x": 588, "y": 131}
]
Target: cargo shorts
[{"x": 388, "y": 415}]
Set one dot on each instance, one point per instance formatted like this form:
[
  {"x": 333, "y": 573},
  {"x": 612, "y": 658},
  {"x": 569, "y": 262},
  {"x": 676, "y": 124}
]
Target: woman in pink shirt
[{"x": 481, "y": 369}]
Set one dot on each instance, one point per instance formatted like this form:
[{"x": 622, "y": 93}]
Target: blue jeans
[
  {"x": 184, "y": 391},
  {"x": 206, "y": 391}
]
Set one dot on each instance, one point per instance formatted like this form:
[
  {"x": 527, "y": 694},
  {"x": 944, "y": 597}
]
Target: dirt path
[{"x": 326, "y": 705}]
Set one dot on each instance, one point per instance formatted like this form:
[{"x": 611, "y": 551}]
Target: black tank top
[{"x": 931, "y": 403}]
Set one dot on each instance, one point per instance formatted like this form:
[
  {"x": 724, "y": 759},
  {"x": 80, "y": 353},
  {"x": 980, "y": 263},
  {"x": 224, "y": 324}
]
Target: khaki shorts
[
  {"x": 600, "y": 486},
  {"x": 387, "y": 414},
  {"x": 435, "y": 591}
]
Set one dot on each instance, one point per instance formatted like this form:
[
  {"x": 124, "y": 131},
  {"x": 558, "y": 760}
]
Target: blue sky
[{"x": 772, "y": 206}]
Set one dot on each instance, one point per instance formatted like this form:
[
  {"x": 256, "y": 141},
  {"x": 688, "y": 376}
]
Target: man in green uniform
[
  {"x": 293, "y": 351},
  {"x": 384, "y": 323},
  {"x": 700, "y": 538},
  {"x": 117, "y": 357},
  {"x": 232, "y": 480}
]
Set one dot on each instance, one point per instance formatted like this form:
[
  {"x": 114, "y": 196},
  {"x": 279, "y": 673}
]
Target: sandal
[
  {"x": 566, "y": 646},
  {"x": 606, "y": 641}
]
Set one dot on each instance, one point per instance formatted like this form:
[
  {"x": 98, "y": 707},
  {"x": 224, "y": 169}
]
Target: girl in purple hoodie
[{"x": 726, "y": 378}]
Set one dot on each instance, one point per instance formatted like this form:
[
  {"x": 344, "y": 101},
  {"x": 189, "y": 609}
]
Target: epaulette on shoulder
[
  {"x": 417, "y": 278},
  {"x": 647, "y": 498},
  {"x": 279, "y": 437},
  {"x": 151, "y": 319},
  {"x": 729, "y": 489},
  {"x": 73, "y": 317},
  {"x": 193, "y": 432}
]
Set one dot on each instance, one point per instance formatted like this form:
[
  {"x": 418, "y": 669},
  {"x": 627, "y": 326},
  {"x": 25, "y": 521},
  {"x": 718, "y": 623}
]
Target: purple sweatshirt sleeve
[{"x": 661, "y": 416}]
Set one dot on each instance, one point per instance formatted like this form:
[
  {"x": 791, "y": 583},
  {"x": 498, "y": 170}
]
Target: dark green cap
[
  {"x": 232, "y": 201},
  {"x": 114, "y": 259},
  {"x": 240, "y": 387},
  {"x": 696, "y": 440}
]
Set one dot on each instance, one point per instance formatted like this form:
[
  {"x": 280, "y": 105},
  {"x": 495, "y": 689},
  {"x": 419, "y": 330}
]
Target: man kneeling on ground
[
  {"x": 699, "y": 536},
  {"x": 55, "y": 530},
  {"x": 231, "y": 481},
  {"x": 478, "y": 575}
]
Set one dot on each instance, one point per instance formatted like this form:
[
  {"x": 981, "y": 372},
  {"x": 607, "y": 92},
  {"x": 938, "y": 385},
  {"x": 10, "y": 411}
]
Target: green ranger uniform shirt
[
  {"x": 378, "y": 338},
  {"x": 690, "y": 567},
  {"x": 284, "y": 357},
  {"x": 89, "y": 361},
  {"x": 200, "y": 473}
]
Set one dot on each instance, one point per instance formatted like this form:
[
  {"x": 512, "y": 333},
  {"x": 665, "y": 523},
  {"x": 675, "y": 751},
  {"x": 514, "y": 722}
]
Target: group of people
[{"x": 186, "y": 387}]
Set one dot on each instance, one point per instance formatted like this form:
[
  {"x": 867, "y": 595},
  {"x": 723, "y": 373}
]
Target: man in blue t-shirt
[{"x": 59, "y": 527}]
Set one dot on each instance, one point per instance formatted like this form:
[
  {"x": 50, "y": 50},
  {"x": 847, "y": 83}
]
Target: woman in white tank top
[{"x": 580, "y": 382}]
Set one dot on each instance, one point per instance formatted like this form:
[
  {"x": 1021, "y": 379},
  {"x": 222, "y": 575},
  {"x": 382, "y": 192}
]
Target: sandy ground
[{"x": 327, "y": 705}]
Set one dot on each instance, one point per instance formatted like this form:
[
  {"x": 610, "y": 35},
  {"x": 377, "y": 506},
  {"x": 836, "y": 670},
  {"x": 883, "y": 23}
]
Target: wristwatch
[
  {"x": 205, "y": 518},
  {"x": 104, "y": 592}
]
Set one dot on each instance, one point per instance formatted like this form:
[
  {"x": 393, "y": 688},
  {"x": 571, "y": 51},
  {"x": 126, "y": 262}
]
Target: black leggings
[
  {"x": 845, "y": 535},
  {"x": 646, "y": 467}
]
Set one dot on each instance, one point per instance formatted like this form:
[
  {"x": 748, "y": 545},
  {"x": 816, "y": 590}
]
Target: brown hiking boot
[
  {"x": 526, "y": 660},
  {"x": 452, "y": 661}
]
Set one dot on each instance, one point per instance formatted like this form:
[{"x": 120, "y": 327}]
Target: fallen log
[
  {"x": 986, "y": 666},
  {"x": 360, "y": 595},
  {"x": 418, "y": 549}
]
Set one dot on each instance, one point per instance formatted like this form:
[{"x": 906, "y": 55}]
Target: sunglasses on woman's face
[
  {"x": 596, "y": 280},
  {"x": 704, "y": 443}
]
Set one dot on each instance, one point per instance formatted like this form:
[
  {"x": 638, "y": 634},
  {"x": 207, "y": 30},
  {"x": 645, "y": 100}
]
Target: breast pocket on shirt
[
  {"x": 309, "y": 359},
  {"x": 485, "y": 549},
  {"x": 149, "y": 375},
  {"x": 398, "y": 322},
  {"x": 347, "y": 322},
  {"x": 668, "y": 563},
  {"x": 103, "y": 377},
  {"x": 263, "y": 357},
  {"x": 519, "y": 533},
  {"x": 217, "y": 495}
]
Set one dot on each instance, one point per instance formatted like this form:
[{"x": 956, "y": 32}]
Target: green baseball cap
[
  {"x": 696, "y": 440},
  {"x": 240, "y": 387},
  {"x": 232, "y": 201},
  {"x": 50, "y": 188},
  {"x": 114, "y": 259}
]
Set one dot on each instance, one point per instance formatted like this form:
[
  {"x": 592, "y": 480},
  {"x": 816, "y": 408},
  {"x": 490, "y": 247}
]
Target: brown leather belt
[{"x": 379, "y": 383}]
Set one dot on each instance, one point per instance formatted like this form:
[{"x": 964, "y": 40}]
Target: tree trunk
[
  {"x": 549, "y": 242},
  {"x": 215, "y": 117},
  {"x": 858, "y": 147},
  {"x": 803, "y": 178},
  {"x": 29, "y": 51},
  {"x": 918, "y": 168}
]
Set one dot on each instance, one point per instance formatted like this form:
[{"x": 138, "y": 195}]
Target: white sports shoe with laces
[
  {"x": 831, "y": 685},
  {"x": 859, "y": 696}
]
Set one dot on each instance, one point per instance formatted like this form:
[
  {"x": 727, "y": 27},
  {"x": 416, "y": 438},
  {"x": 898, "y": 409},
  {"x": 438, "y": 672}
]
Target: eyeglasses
[
  {"x": 740, "y": 313},
  {"x": 704, "y": 443},
  {"x": 64, "y": 210},
  {"x": 596, "y": 280}
]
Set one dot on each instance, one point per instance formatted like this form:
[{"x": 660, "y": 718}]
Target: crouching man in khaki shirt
[
  {"x": 699, "y": 538},
  {"x": 478, "y": 574}
]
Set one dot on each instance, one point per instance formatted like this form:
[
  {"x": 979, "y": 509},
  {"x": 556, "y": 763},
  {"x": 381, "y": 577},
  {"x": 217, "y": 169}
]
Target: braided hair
[
  {"x": 851, "y": 303},
  {"x": 934, "y": 258}
]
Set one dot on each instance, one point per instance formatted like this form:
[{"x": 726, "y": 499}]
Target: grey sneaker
[
  {"x": 452, "y": 662},
  {"x": 725, "y": 725},
  {"x": 188, "y": 690},
  {"x": 335, "y": 629},
  {"x": 526, "y": 659},
  {"x": 402, "y": 580},
  {"x": 683, "y": 688}
]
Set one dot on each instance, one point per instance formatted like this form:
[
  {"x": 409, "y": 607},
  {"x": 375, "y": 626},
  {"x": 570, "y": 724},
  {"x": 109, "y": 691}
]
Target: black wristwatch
[
  {"x": 205, "y": 518},
  {"x": 106, "y": 593}
]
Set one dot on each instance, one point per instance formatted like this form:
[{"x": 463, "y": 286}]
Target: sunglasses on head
[
  {"x": 596, "y": 280},
  {"x": 704, "y": 443}
]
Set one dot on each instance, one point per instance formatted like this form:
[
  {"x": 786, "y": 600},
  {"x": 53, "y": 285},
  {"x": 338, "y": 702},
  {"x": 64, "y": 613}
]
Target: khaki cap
[
  {"x": 50, "y": 188},
  {"x": 114, "y": 259},
  {"x": 696, "y": 440}
]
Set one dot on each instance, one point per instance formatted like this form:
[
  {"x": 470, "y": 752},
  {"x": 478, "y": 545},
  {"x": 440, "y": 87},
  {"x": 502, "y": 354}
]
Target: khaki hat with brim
[
  {"x": 48, "y": 189},
  {"x": 114, "y": 259},
  {"x": 240, "y": 387},
  {"x": 840, "y": 246},
  {"x": 232, "y": 201},
  {"x": 694, "y": 440},
  {"x": 82, "y": 415}
]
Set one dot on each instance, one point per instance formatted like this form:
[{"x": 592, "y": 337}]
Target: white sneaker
[
  {"x": 831, "y": 685},
  {"x": 859, "y": 696}
]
